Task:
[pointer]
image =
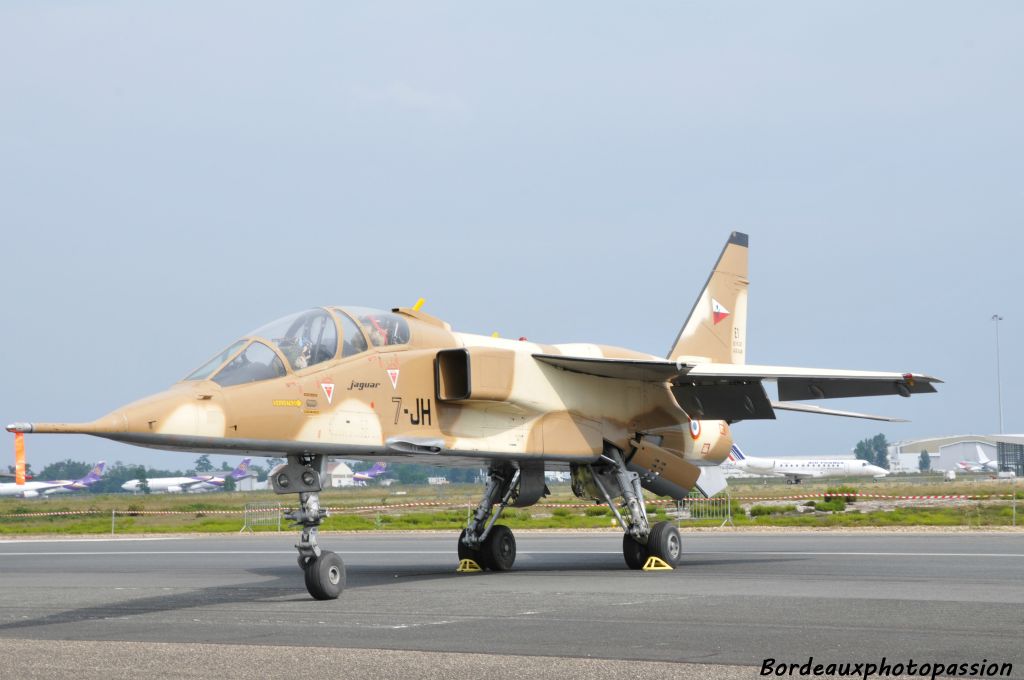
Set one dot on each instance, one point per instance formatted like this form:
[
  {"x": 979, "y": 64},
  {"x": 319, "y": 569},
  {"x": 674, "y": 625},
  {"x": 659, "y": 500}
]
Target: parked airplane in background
[
  {"x": 371, "y": 474},
  {"x": 797, "y": 469},
  {"x": 983, "y": 464},
  {"x": 188, "y": 484},
  {"x": 48, "y": 488}
]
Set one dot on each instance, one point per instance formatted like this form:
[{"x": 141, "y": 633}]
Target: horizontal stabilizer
[
  {"x": 810, "y": 408},
  {"x": 711, "y": 481}
]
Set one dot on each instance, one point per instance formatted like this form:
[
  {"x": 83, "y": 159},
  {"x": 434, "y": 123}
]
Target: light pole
[{"x": 999, "y": 386}]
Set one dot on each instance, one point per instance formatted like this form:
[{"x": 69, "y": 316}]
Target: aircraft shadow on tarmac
[{"x": 285, "y": 586}]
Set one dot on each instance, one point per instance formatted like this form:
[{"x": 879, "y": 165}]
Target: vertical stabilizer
[
  {"x": 94, "y": 475},
  {"x": 717, "y": 325},
  {"x": 242, "y": 470}
]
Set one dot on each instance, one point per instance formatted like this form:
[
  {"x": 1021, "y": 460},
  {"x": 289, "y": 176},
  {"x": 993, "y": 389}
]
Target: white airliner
[
  {"x": 48, "y": 488},
  {"x": 983, "y": 464},
  {"x": 188, "y": 484},
  {"x": 796, "y": 469}
]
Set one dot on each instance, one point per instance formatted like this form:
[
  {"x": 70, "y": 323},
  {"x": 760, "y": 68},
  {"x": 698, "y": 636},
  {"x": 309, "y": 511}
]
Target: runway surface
[{"x": 735, "y": 600}]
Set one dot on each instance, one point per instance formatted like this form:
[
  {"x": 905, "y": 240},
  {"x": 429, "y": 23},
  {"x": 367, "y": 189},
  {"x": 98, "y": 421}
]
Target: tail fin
[
  {"x": 982, "y": 458},
  {"x": 735, "y": 453},
  {"x": 378, "y": 469},
  {"x": 717, "y": 325},
  {"x": 94, "y": 475},
  {"x": 242, "y": 470}
]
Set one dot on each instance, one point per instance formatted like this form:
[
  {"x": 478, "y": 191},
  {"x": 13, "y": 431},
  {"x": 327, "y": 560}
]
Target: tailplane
[
  {"x": 716, "y": 329},
  {"x": 242, "y": 470}
]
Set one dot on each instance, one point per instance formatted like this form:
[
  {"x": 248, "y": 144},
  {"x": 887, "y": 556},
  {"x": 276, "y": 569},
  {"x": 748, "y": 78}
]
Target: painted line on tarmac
[
  {"x": 845, "y": 554},
  {"x": 740, "y": 553},
  {"x": 38, "y": 541},
  {"x": 282, "y": 552}
]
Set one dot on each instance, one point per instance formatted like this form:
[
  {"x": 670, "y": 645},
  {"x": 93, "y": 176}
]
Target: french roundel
[{"x": 695, "y": 429}]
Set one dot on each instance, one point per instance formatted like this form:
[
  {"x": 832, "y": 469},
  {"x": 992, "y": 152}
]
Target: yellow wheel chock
[
  {"x": 469, "y": 566},
  {"x": 657, "y": 564}
]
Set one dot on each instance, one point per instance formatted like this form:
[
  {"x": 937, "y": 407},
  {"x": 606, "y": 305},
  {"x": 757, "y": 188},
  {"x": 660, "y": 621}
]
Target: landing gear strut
[
  {"x": 641, "y": 540},
  {"x": 492, "y": 546},
  {"x": 324, "y": 570}
]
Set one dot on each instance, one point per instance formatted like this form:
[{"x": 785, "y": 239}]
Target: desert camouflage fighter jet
[{"x": 402, "y": 386}]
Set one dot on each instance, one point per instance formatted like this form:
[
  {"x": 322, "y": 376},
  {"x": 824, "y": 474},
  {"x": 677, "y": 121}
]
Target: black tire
[
  {"x": 325, "y": 576},
  {"x": 664, "y": 542},
  {"x": 499, "y": 549},
  {"x": 467, "y": 553},
  {"x": 634, "y": 551}
]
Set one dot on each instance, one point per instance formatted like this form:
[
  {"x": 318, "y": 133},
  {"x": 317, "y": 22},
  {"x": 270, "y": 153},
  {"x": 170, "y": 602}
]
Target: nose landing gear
[{"x": 324, "y": 570}]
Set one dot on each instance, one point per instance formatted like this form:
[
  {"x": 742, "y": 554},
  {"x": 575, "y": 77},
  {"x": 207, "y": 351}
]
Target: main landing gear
[
  {"x": 492, "y": 546},
  {"x": 324, "y": 570},
  {"x": 640, "y": 541}
]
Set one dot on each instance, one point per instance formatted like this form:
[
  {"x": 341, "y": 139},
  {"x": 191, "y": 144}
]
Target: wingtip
[{"x": 740, "y": 239}]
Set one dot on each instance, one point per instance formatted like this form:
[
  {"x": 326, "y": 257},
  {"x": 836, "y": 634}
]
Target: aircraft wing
[
  {"x": 41, "y": 487},
  {"x": 621, "y": 369},
  {"x": 796, "y": 384},
  {"x": 736, "y": 392},
  {"x": 186, "y": 486}
]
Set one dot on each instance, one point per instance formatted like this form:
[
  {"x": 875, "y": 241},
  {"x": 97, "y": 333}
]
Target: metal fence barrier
[
  {"x": 696, "y": 507},
  {"x": 264, "y": 514}
]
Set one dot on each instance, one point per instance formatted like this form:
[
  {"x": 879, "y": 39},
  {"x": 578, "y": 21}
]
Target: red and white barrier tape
[{"x": 457, "y": 505}]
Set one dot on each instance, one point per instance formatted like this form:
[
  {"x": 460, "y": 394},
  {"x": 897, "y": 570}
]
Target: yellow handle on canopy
[{"x": 419, "y": 303}]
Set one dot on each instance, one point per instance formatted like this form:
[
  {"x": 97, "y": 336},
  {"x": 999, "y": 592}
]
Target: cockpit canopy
[{"x": 302, "y": 340}]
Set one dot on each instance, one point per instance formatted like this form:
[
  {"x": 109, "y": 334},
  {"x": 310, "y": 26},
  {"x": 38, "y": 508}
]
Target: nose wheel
[{"x": 325, "y": 576}]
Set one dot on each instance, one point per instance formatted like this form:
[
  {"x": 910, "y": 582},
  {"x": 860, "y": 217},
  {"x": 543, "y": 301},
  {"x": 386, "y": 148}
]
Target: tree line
[
  {"x": 875, "y": 450},
  {"x": 118, "y": 473}
]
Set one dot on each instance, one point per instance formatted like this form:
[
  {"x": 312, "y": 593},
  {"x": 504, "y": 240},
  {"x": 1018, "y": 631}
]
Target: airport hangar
[{"x": 946, "y": 452}]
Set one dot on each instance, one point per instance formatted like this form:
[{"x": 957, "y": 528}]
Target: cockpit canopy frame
[{"x": 301, "y": 341}]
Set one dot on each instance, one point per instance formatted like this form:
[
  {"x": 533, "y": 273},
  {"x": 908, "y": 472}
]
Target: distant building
[
  {"x": 437, "y": 481},
  {"x": 250, "y": 483},
  {"x": 945, "y": 452},
  {"x": 339, "y": 474},
  {"x": 1010, "y": 455}
]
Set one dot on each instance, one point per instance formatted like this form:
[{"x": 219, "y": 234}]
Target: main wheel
[
  {"x": 664, "y": 542},
  {"x": 325, "y": 576},
  {"x": 634, "y": 551},
  {"x": 499, "y": 549}
]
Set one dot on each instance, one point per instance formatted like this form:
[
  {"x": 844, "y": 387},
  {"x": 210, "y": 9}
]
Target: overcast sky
[{"x": 173, "y": 175}]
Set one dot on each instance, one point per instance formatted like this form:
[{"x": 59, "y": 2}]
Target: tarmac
[{"x": 235, "y": 606}]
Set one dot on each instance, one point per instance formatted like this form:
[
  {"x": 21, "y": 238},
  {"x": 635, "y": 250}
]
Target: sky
[{"x": 173, "y": 175}]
